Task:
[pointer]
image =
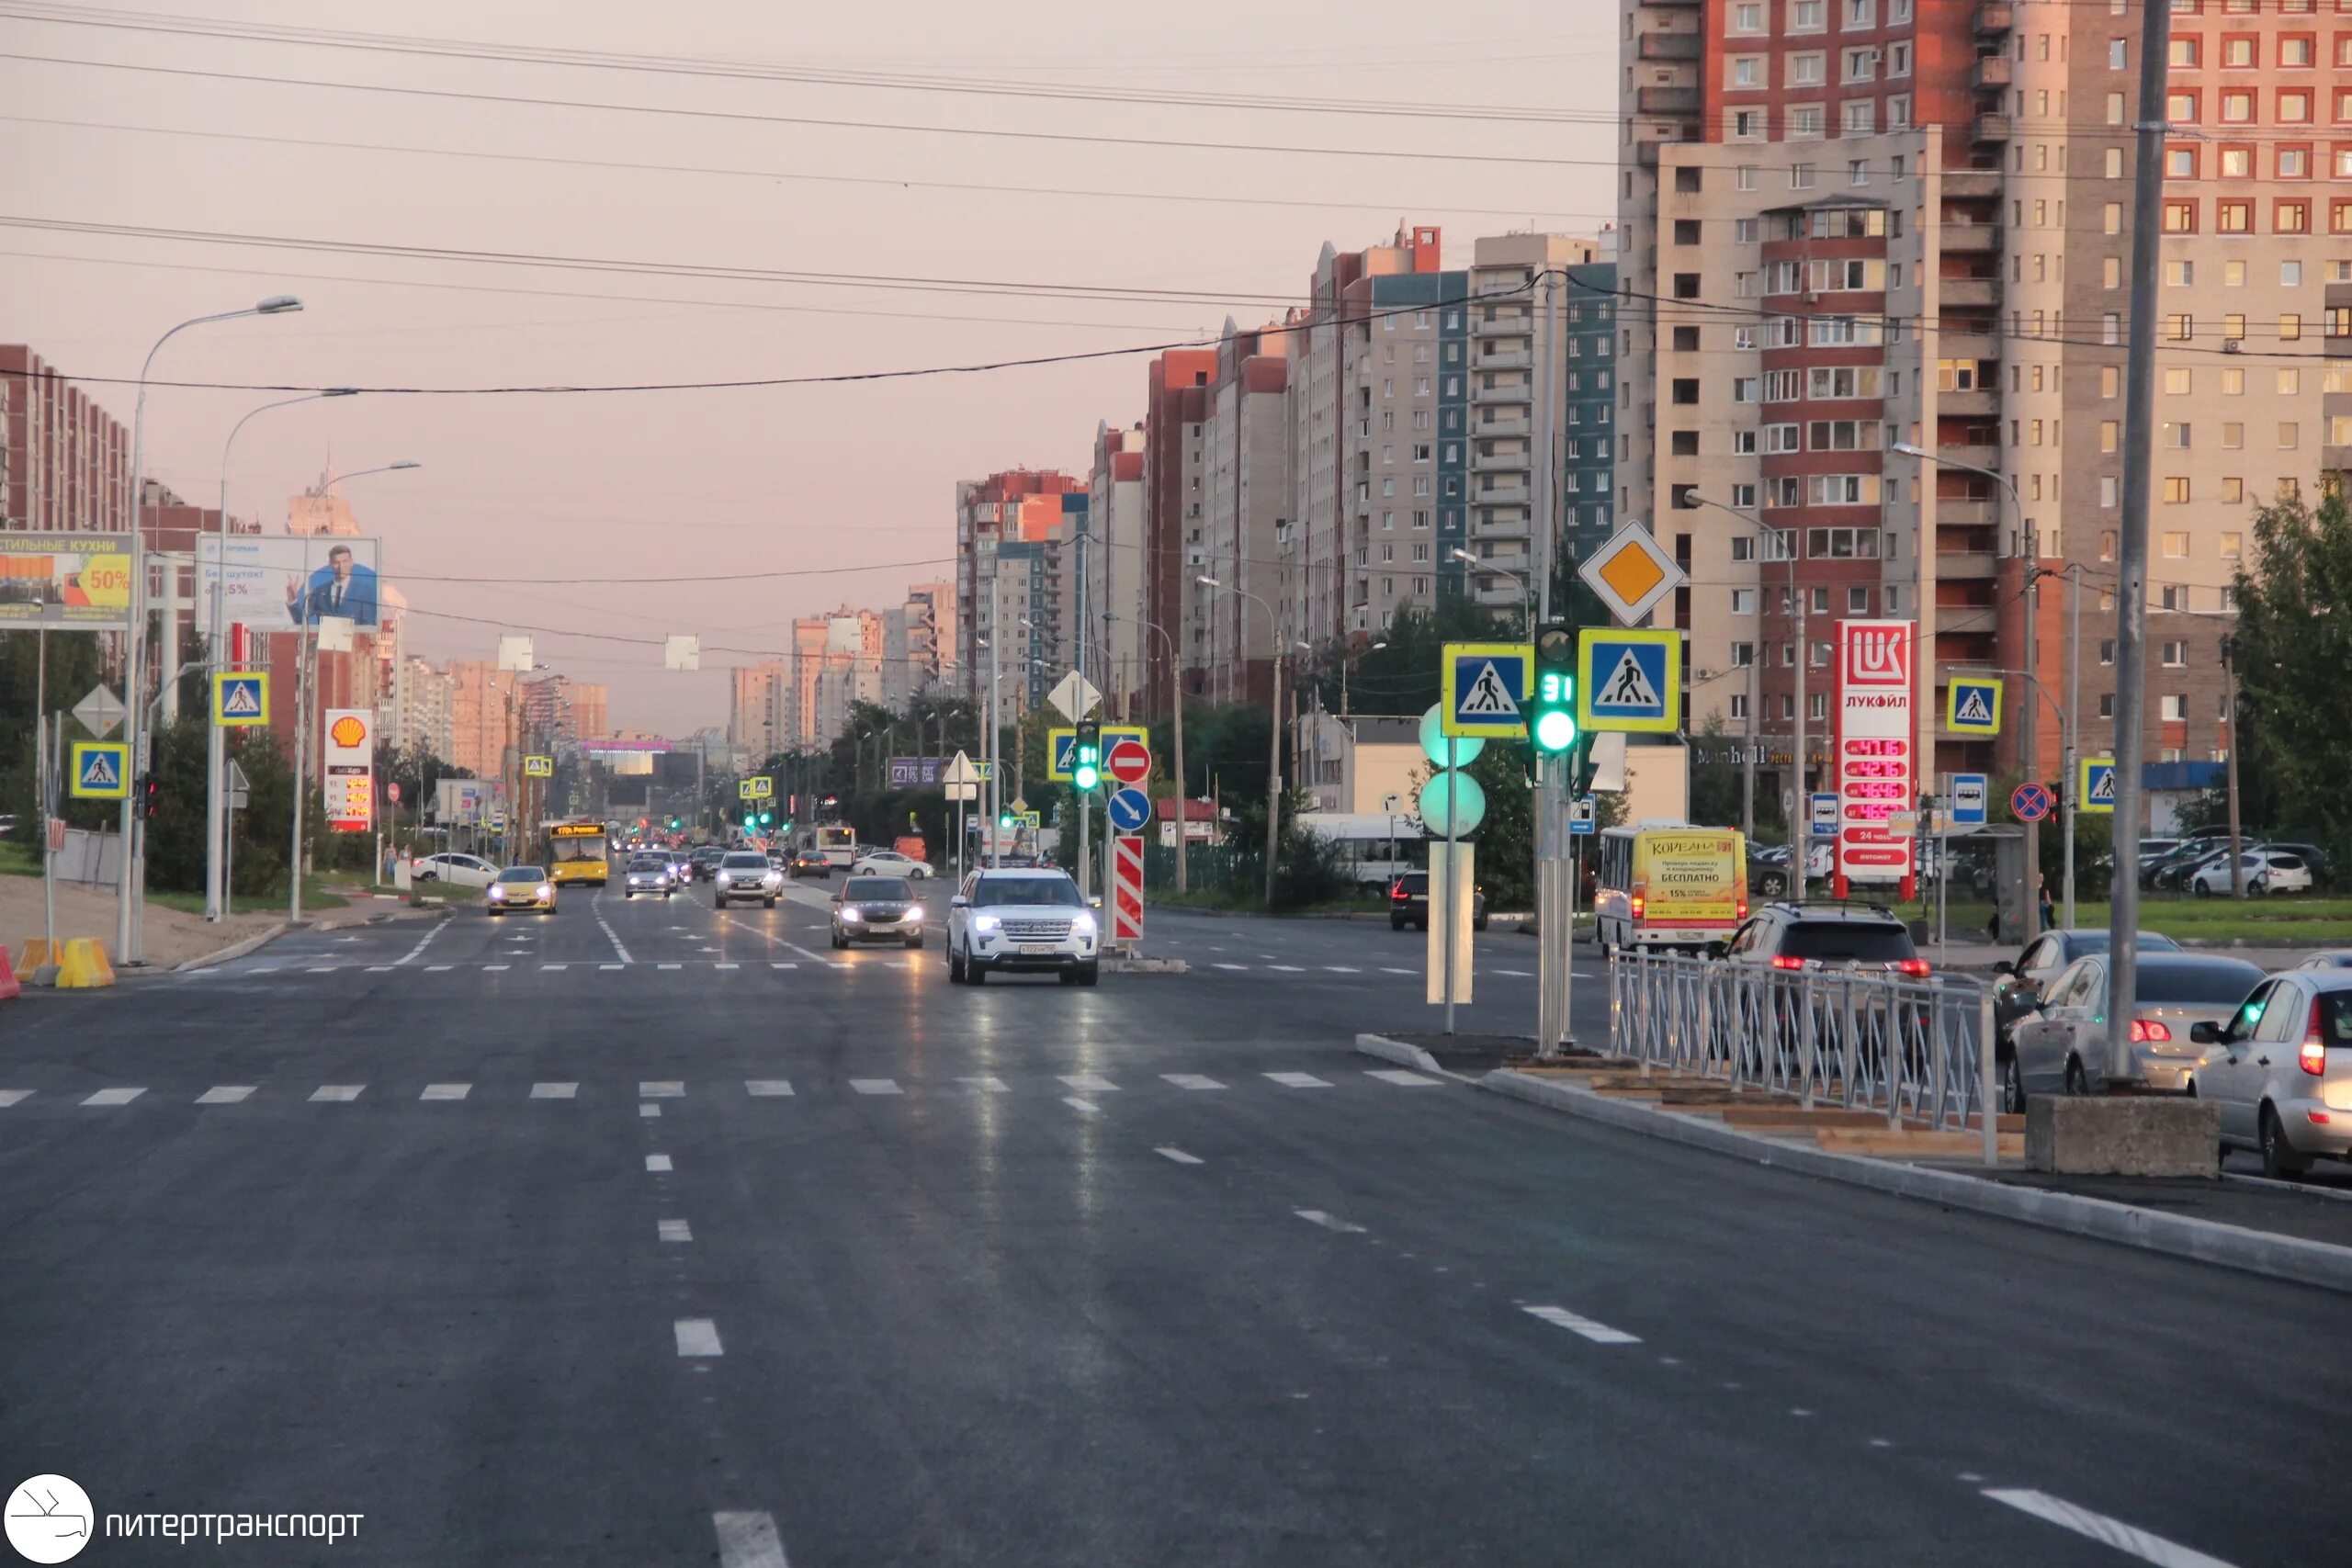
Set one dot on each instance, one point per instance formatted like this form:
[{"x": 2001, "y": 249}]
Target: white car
[
  {"x": 456, "y": 870},
  {"x": 1032, "y": 920},
  {"x": 889, "y": 863},
  {"x": 2265, "y": 871},
  {"x": 745, "y": 874}
]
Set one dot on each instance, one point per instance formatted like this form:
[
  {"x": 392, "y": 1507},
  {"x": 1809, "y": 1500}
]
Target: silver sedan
[{"x": 2061, "y": 1045}]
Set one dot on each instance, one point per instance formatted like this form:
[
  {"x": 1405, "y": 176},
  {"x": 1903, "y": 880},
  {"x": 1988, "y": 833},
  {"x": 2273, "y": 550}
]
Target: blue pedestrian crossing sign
[
  {"x": 1973, "y": 705},
  {"x": 241, "y": 697},
  {"x": 101, "y": 769},
  {"x": 2094, "y": 790},
  {"x": 1630, "y": 681},
  {"x": 1129, "y": 810},
  {"x": 1486, "y": 687}
]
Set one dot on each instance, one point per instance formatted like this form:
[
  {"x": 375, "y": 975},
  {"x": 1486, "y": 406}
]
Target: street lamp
[
  {"x": 1273, "y": 730},
  {"x": 133, "y": 880},
  {"x": 1802, "y": 826},
  {"x": 1526, "y": 591}
]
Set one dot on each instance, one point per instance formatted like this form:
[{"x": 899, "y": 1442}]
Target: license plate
[{"x": 1039, "y": 949}]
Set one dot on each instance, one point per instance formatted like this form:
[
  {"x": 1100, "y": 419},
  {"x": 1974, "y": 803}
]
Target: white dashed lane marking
[
  {"x": 447, "y": 1090},
  {"x": 747, "y": 1540},
  {"x": 766, "y": 1088},
  {"x": 114, "y": 1097},
  {"x": 1179, "y": 1155},
  {"x": 657, "y": 1162},
  {"x": 698, "y": 1336},
  {"x": 338, "y": 1091},
  {"x": 988, "y": 1084},
  {"x": 555, "y": 1090},
  {"x": 1599, "y": 1333},
  {"x": 14, "y": 1097},
  {"x": 1317, "y": 1218},
  {"x": 669, "y": 1089},
  {"x": 2099, "y": 1527},
  {"x": 875, "y": 1086},
  {"x": 224, "y": 1094},
  {"x": 673, "y": 1230},
  {"x": 1085, "y": 1106}
]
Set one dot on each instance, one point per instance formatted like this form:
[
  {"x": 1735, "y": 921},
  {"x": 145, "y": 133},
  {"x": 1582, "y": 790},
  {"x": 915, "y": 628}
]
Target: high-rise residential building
[
  {"x": 1176, "y": 406},
  {"x": 1245, "y": 506},
  {"x": 751, "y": 708},
  {"x": 918, "y": 644},
  {"x": 64, "y": 461},
  {"x": 1846, "y": 224},
  {"x": 420, "y": 708},
  {"x": 1115, "y": 571},
  {"x": 592, "y": 715},
  {"x": 321, "y": 510},
  {"x": 1012, "y": 530},
  {"x": 481, "y": 715}
]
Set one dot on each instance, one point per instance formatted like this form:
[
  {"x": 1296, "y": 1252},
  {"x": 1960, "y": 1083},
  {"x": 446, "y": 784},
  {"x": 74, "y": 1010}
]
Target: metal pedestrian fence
[{"x": 1919, "y": 1049}]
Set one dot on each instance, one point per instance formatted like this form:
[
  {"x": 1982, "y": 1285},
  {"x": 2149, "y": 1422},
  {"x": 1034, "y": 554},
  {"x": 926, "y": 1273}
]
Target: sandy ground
[{"x": 171, "y": 937}]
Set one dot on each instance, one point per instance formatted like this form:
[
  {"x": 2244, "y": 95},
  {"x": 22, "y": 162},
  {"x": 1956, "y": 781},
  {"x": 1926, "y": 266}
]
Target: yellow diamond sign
[{"x": 1630, "y": 573}]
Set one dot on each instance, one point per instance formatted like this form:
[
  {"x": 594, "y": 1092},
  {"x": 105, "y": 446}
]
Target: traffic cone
[{"x": 9, "y": 990}]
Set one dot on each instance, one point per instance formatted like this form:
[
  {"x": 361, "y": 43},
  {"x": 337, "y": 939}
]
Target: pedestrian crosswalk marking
[
  {"x": 114, "y": 1097},
  {"x": 338, "y": 1091},
  {"x": 1086, "y": 1106},
  {"x": 657, "y": 1164},
  {"x": 1192, "y": 1081},
  {"x": 224, "y": 1094},
  {"x": 1089, "y": 1083},
  {"x": 555, "y": 1091},
  {"x": 1298, "y": 1080},
  {"x": 670, "y": 1089},
  {"x": 698, "y": 1336},
  {"x": 672, "y": 1230},
  {"x": 14, "y": 1097},
  {"x": 447, "y": 1090},
  {"x": 648, "y": 1108},
  {"x": 988, "y": 1085}
]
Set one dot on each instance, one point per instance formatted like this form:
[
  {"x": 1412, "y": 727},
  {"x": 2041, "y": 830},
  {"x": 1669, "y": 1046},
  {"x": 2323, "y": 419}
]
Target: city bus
[
  {"x": 576, "y": 850},
  {"x": 837, "y": 841},
  {"x": 1669, "y": 886}
]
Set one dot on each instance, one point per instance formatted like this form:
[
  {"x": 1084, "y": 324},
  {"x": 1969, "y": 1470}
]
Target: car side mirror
[
  {"x": 2004, "y": 966},
  {"x": 2205, "y": 1033},
  {"x": 1095, "y": 902},
  {"x": 958, "y": 901}
]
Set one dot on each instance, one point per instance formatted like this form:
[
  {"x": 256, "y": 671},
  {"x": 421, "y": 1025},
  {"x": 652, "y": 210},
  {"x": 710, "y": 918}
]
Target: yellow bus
[
  {"x": 1668, "y": 885},
  {"x": 576, "y": 851}
]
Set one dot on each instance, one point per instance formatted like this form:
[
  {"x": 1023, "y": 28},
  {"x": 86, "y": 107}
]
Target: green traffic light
[
  {"x": 1556, "y": 730},
  {"x": 1086, "y": 776}
]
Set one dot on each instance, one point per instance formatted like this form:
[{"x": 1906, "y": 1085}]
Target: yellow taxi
[{"x": 520, "y": 887}]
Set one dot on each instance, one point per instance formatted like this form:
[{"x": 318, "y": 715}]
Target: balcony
[
  {"x": 1977, "y": 402},
  {"x": 1665, "y": 100},
  {"x": 1972, "y": 185},
  {"x": 1668, "y": 46},
  {"x": 1503, "y": 528},
  {"x": 1507, "y": 324},
  {"x": 1957, "y": 341},
  {"x": 1974, "y": 457},
  {"x": 1515, "y": 424},
  {"x": 1995, "y": 17},
  {"x": 1953, "y": 566},
  {"x": 1992, "y": 71},
  {"x": 1498, "y": 594},
  {"x": 1966, "y": 511},
  {"x": 1518, "y": 392},
  {"x": 1501, "y": 462},
  {"x": 1969, "y": 293},
  {"x": 1962, "y": 239},
  {"x": 1992, "y": 127},
  {"x": 1505, "y": 492},
  {"x": 1503, "y": 359}
]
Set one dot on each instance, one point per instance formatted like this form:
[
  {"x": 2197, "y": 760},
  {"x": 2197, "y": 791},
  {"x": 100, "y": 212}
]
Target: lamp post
[
  {"x": 1526, "y": 592},
  {"x": 1801, "y": 828},
  {"x": 1275, "y": 731},
  {"x": 132, "y": 880},
  {"x": 217, "y": 898},
  {"x": 2029, "y": 738},
  {"x": 1176, "y": 697}
]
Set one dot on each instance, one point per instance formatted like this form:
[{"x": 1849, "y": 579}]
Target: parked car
[
  {"x": 2278, "y": 1069},
  {"x": 1408, "y": 903},
  {"x": 2022, "y": 985},
  {"x": 2064, "y": 1043},
  {"x": 2335, "y": 958},
  {"x": 1789, "y": 935},
  {"x": 2265, "y": 870},
  {"x": 889, "y": 863},
  {"x": 456, "y": 870}
]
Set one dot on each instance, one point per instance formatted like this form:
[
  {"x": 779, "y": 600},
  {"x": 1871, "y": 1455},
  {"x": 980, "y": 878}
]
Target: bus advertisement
[{"x": 1668, "y": 884}]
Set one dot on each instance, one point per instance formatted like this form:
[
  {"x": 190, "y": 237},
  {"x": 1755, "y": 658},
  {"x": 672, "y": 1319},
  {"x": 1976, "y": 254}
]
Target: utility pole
[
  {"x": 2074, "y": 747},
  {"x": 2132, "y": 565},
  {"x": 2230, "y": 695},
  {"x": 1554, "y": 933},
  {"x": 2029, "y": 736},
  {"x": 1747, "y": 762}
]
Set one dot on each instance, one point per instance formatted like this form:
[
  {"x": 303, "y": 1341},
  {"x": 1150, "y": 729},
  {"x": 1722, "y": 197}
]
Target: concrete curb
[
  {"x": 234, "y": 950},
  {"x": 1146, "y": 966},
  {"x": 1401, "y": 1053},
  {"x": 2205, "y": 1241}
]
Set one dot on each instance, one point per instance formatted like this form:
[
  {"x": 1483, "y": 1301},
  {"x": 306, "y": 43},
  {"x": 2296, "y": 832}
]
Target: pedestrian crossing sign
[
  {"x": 241, "y": 697},
  {"x": 1485, "y": 685},
  {"x": 1629, "y": 680},
  {"x": 101, "y": 769},
  {"x": 2095, "y": 788},
  {"x": 1973, "y": 705}
]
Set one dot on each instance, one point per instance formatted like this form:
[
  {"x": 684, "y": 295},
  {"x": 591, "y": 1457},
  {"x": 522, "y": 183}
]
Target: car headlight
[
  {"x": 851, "y": 915},
  {"x": 773, "y": 879},
  {"x": 497, "y": 893},
  {"x": 984, "y": 923},
  {"x": 547, "y": 889},
  {"x": 913, "y": 916},
  {"x": 1083, "y": 926}
]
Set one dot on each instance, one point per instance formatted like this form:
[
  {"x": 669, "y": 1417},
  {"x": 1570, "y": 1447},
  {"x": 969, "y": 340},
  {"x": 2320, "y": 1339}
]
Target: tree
[
  {"x": 1403, "y": 677},
  {"x": 2292, "y": 646},
  {"x": 1715, "y": 793}
]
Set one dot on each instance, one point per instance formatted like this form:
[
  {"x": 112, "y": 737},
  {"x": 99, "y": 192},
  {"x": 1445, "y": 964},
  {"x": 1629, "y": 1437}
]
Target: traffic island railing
[{"x": 1916, "y": 1050}]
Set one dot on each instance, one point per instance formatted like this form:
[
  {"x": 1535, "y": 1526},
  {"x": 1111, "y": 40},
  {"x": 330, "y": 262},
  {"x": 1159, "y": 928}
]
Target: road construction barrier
[
  {"x": 82, "y": 966},
  {"x": 1919, "y": 1049},
  {"x": 10, "y": 989},
  {"x": 37, "y": 952}
]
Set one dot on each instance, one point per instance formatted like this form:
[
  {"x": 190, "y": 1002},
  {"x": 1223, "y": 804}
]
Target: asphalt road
[{"x": 646, "y": 1235}]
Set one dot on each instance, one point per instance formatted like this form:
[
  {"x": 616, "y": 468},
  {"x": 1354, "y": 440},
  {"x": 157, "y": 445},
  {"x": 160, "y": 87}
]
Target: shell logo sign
[{"x": 348, "y": 732}]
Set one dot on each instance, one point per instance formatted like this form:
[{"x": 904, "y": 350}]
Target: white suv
[
  {"x": 745, "y": 873},
  {"x": 1021, "y": 920}
]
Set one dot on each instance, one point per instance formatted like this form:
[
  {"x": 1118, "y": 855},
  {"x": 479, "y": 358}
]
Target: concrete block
[{"x": 2123, "y": 1135}]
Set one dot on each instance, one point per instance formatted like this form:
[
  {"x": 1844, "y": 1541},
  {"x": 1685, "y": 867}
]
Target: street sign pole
[{"x": 1452, "y": 871}]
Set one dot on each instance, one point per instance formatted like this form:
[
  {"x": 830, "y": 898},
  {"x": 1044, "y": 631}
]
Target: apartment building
[
  {"x": 1176, "y": 407},
  {"x": 1114, "y": 575},
  {"x": 1246, "y": 499},
  {"x": 481, "y": 715},
  {"x": 1851, "y": 224},
  {"x": 64, "y": 461},
  {"x": 751, "y": 708},
  {"x": 918, "y": 643},
  {"x": 420, "y": 708},
  {"x": 1012, "y": 531}
]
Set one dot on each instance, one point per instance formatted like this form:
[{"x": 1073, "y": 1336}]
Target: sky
[{"x": 780, "y": 500}]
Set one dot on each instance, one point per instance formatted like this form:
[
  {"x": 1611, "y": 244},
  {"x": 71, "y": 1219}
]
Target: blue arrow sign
[{"x": 1129, "y": 810}]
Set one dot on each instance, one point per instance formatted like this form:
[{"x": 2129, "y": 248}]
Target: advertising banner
[
  {"x": 465, "y": 803},
  {"x": 915, "y": 773},
  {"x": 77, "y": 581},
  {"x": 288, "y": 580},
  {"x": 347, "y": 771},
  {"x": 1875, "y": 735}
]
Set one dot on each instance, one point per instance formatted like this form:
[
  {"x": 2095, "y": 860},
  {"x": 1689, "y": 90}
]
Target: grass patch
[{"x": 2281, "y": 918}]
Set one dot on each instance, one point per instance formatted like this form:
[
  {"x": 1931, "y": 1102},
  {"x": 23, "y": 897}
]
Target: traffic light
[
  {"x": 1552, "y": 716},
  {"x": 1004, "y": 821},
  {"x": 151, "y": 788},
  {"x": 1086, "y": 755}
]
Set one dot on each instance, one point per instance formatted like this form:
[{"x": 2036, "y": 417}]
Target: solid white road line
[
  {"x": 1298, "y": 1080},
  {"x": 423, "y": 942},
  {"x": 1392, "y": 969},
  {"x": 114, "y": 1097},
  {"x": 782, "y": 964},
  {"x": 988, "y": 1085},
  {"x": 338, "y": 1091},
  {"x": 1192, "y": 1081},
  {"x": 429, "y": 969},
  {"x": 671, "y": 1089},
  {"x": 326, "y": 968},
  {"x": 1086, "y": 1106},
  {"x": 595, "y": 908},
  {"x": 1229, "y": 967},
  {"x": 766, "y": 1088},
  {"x": 673, "y": 1230},
  {"x": 875, "y": 1086},
  {"x": 17, "y": 1096},
  {"x": 552, "y": 968},
  {"x": 696, "y": 1336},
  {"x": 1518, "y": 974},
  {"x": 727, "y": 967},
  {"x": 603, "y": 967},
  {"x": 657, "y": 1162},
  {"x": 818, "y": 956},
  {"x": 1599, "y": 1333},
  {"x": 1089, "y": 1083},
  {"x": 446, "y": 1092},
  {"x": 1400, "y": 1076},
  {"x": 1317, "y": 1218},
  {"x": 747, "y": 1540},
  {"x": 2099, "y": 1527},
  {"x": 555, "y": 1091},
  {"x": 1340, "y": 969},
  {"x": 263, "y": 969},
  {"x": 494, "y": 968},
  {"x": 224, "y": 1094},
  {"x": 1287, "y": 968},
  {"x": 1179, "y": 1155},
  {"x": 674, "y": 966}
]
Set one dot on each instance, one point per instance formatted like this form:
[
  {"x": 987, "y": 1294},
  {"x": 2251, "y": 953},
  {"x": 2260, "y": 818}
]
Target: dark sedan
[
  {"x": 877, "y": 908},
  {"x": 1408, "y": 903}
]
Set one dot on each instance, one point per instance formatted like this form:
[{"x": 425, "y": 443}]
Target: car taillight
[
  {"x": 1916, "y": 967},
  {"x": 1399, "y": 893},
  {"x": 1639, "y": 899},
  {"x": 1785, "y": 962},
  {"x": 2312, "y": 1057},
  {"x": 2148, "y": 1030},
  {"x": 1742, "y": 908}
]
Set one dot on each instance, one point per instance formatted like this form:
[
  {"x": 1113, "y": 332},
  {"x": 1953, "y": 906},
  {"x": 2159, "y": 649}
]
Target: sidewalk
[{"x": 171, "y": 936}]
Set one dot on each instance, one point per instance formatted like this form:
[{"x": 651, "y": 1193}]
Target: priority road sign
[
  {"x": 538, "y": 767},
  {"x": 1630, "y": 681},
  {"x": 99, "y": 712},
  {"x": 1127, "y": 761},
  {"x": 241, "y": 697},
  {"x": 2030, "y": 802},
  {"x": 1969, "y": 797},
  {"x": 101, "y": 769},
  {"x": 1973, "y": 705},
  {"x": 2094, "y": 789},
  {"x": 1061, "y": 747},
  {"x": 1485, "y": 684},
  {"x": 1129, "y": 810},
  {"x": 1630, "y": 573}
]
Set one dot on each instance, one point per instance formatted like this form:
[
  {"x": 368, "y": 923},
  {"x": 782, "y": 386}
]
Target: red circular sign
[
  {"x": 392, "y": 792},
  {"x": 1129, "y": 761}
]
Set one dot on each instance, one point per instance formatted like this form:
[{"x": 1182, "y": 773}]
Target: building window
[
  {"x": 2176, "y": 546},
  {"x": 2176, "y": 489},
  {"x": 2233, "y": 546},
  {"x": 2180, "y": 217},
  {"x": 2175, "y": 706}
]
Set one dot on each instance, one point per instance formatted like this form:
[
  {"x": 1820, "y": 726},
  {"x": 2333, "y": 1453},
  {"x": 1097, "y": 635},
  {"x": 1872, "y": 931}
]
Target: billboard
[
  {"x": 466, "y": 803},
  {"x": 348, "y": 770},
  {"x": 76, "y": 580},
  {"x": 915, "y": 773},
  {"x": 286, "y": 580},
  {"x": 1875, "y": 736}
]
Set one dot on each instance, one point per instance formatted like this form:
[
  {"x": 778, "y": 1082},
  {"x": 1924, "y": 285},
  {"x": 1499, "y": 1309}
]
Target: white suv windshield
[
  {"x": 744, "y": 863},
  {"x": 1055, "y": 890}
]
